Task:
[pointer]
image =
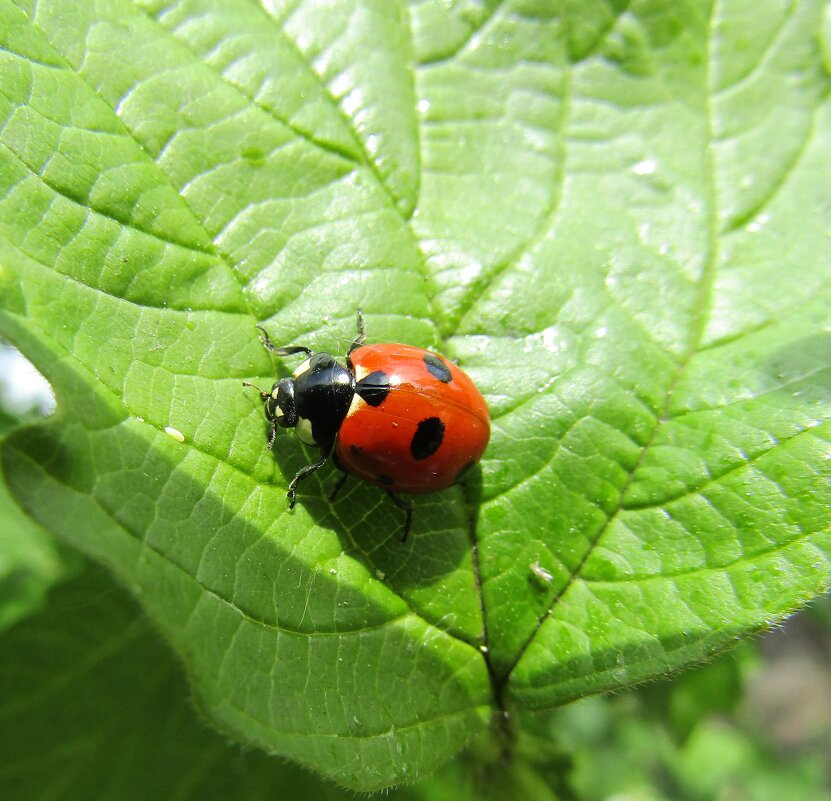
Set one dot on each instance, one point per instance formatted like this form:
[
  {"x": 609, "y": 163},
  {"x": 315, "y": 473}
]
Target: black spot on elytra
[
  {"x": 438, "y": 368},
  {"x": 384, "y": 479},
  {"x": 374, "y": 387},
  {"x": 427, "y": 438}
]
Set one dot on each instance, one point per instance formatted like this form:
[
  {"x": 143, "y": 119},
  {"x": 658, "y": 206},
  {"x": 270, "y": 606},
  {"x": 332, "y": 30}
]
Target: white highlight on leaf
[
  {"x": 471, "y": 271},
  {"x": 645, "y": 167},
  {"x": 262, "y": 284},
  {"x": 758, "y": 223},
  {"x": 552, "y": 339},
  {"x": 340, "y": 85},
  {"x": 353, "y": 103}
]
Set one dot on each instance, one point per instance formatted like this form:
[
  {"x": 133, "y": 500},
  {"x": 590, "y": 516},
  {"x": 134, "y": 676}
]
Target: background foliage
[{"x": 614, "y": 214}]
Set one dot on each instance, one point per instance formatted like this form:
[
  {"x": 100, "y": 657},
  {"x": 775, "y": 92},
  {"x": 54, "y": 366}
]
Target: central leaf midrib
[{"x": 469, "y": 302}]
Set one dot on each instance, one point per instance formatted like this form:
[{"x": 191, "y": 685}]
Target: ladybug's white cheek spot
[
  {"x": 304, "y": 431},
  {"x": 357, "y": 403},
  {"x": 302, "y": 369}
]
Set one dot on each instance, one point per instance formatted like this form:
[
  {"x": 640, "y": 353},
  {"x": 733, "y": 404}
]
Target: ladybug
[{"x": 400, "y": 417}]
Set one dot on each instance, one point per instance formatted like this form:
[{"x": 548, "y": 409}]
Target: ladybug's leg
[
  {"x": 359, "y": 340},
  {"x": 265, "y": 396},
  {"x": 301, "y": 474},
  {"x": 339, "y": 486},
  {"x": 287, "y": 351},
  {"x": 405, "y": 507},
  {"x": 342, "y": 479}
]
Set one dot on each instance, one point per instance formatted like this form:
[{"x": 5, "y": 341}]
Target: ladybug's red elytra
[{"x": 400, "y": 417}]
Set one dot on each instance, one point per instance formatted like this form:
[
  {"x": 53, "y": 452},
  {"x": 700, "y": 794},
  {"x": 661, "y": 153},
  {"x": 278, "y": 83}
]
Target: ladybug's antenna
[
  {"x": 263, "y": 395},
  {"x": 287, "y": 351},
  {"x": 359, "y": 340}
]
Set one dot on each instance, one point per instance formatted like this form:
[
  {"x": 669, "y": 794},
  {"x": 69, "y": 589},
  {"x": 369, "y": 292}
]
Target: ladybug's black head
[
  {"x": 314, "y": 400},
  {"x": 279, "y": 406}
]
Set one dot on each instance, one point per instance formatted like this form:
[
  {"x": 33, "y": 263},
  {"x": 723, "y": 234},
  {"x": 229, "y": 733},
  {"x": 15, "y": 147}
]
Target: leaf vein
[
  {"x": 300, "y": 133},
  {"x": 702, "y": 303},
  {"x": 81, "y": 77},
  {"x": 475, "y": 31},
  {"x": 82, "y": 203},
  {"x": 781, "y": 181},
  {"x": 368, "y": 162}
]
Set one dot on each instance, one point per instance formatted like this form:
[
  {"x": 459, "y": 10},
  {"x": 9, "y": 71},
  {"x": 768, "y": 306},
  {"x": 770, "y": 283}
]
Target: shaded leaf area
[
  {"x": 306, "y": 671},
  {"x": 614, "y": 214},
  {"x": 30, "y": 562},
  {"x": 94, "y": 706}
]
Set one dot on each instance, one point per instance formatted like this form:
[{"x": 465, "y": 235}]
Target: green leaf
[
  {"x": 615, "y": 215},
  {"x": 90, "y": 698},
  {"x": 30, "y": 562}
]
